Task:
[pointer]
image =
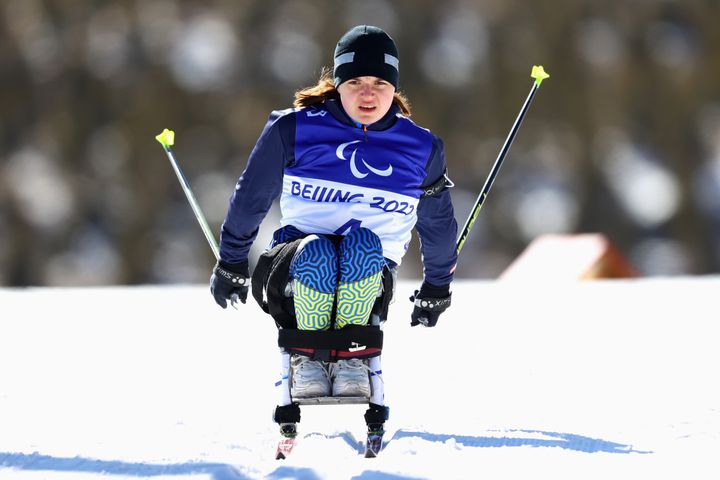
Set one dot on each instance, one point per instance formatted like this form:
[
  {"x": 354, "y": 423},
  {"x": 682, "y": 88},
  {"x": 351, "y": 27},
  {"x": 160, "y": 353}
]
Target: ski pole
[
  {"x": 167, "y": 139},
  {"x": 538, "y": 73}
]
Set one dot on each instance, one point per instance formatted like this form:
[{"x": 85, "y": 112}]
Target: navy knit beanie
[{"x": 366, "y": 51}]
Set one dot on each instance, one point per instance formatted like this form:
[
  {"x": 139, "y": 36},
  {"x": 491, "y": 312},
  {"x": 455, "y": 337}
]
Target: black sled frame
[
  {"x": 271, "y": 289},
  {"x": 355, "y": 342}
]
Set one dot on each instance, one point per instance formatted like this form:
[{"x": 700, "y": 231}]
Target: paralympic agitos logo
[{"x": 357, "y": 173}]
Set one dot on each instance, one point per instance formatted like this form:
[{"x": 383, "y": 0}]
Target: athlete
[{"x": 354, "y": 175}]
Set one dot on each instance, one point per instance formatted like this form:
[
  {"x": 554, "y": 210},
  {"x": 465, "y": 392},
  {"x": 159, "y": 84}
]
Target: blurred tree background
[{"x": 623, "y": 139}]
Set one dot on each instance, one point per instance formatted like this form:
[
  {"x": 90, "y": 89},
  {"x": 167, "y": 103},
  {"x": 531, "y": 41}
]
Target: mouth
[{"x": 367, "y": 108}]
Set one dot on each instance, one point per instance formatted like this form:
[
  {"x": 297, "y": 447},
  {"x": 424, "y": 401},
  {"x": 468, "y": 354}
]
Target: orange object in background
[{"x": 570, "y": 257}]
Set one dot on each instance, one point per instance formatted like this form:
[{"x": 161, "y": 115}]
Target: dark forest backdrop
[{"x": 623, "y": 139}]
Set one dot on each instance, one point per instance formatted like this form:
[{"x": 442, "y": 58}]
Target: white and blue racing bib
[{"x": 346, "y": 178}]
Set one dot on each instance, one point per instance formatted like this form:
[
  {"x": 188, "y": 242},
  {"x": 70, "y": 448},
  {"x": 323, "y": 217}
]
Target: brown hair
[{"x": 325, "y": 89}]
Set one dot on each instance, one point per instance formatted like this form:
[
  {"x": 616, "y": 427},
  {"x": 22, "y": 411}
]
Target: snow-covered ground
[{"x": 606, "y": 379}]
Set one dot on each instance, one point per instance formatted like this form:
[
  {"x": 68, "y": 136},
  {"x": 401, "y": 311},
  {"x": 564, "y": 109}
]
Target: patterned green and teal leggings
[{"x": 350, "y": 272}]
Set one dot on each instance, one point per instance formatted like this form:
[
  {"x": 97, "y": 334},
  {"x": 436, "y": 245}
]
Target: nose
[{"x": 365, "y": 89}]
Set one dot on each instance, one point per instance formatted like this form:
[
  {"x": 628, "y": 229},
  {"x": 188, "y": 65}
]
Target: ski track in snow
[{"x": 604, "y": 379}]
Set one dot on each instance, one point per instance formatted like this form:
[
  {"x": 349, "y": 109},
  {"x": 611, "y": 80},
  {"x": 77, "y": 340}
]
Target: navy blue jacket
[{"x": 261, "y": 183}]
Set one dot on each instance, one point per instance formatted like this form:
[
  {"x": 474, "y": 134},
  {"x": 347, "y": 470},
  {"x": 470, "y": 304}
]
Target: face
[{"x": 366, "y": 99}]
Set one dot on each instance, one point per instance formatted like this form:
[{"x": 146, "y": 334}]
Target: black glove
[
  {"x": 430, "y": 301},
  {"x": 230, "y": 281}
]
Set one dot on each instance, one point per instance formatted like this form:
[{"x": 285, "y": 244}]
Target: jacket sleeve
[
  {"x": 258, "y": 186},
  {"x": 436, "y": 225}
]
